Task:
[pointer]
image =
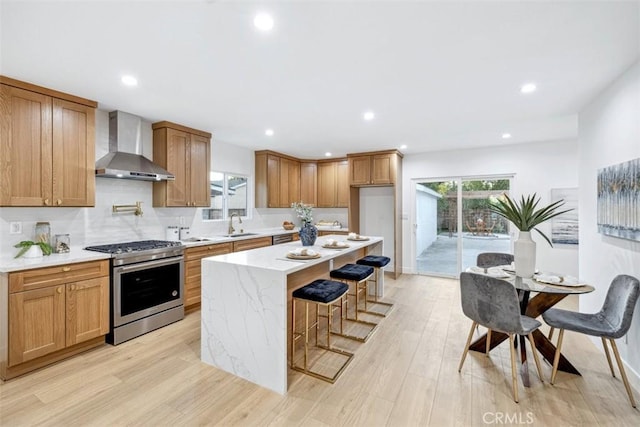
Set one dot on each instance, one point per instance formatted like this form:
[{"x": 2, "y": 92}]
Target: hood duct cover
[{"x": 125, "y": 159}]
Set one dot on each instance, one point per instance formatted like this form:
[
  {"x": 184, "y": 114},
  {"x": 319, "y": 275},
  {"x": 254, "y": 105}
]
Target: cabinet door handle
[
  {"x": 59, "y": 290},
  {"x": 65, "y": 269},
  {"x": 46, "y": 202},
  {"x": 72, "y": 287},
  {"x": 58, "y": 202}
]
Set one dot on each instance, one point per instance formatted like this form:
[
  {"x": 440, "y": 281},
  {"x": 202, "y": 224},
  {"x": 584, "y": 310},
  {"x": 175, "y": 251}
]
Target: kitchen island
[{"x": 246, "y": 305}]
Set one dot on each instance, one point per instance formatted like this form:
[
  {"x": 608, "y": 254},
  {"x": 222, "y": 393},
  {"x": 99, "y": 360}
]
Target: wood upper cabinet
[
  {"x": 342, "y": 184},
  {"x": 360, "y": 168},
  {"x": 289, "y": 182},
  {"x": 309, "y": 183},
  {"x": 333, "y": 184},
  {"x": 277, "y": 180},
  {"x": 184, "y": 152},
  {"x": 373, "y": 169},
  {"x": 47, "y": 147},
  {"x": 53, "y": 308}
]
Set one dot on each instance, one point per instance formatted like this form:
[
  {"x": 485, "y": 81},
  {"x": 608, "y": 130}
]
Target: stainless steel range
[{"x": 147, "y": 286}]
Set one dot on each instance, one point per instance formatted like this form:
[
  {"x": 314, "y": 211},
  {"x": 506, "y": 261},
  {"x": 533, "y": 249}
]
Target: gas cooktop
[{"x": 131, "y": 247}]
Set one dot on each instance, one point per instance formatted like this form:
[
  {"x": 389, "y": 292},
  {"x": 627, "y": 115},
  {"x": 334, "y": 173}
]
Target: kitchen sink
[
  {"x": 240, "y": 234},
  {"x": 198, "y": 239}
]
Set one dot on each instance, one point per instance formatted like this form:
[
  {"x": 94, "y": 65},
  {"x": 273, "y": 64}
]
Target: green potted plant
[
  {"x": 526, "y": 215},
  {"x": 31, "y": 249}
]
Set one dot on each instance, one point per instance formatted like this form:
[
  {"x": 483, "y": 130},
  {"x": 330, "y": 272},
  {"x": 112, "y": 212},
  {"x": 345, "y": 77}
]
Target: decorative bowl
[{"x": 288, "y": 226}]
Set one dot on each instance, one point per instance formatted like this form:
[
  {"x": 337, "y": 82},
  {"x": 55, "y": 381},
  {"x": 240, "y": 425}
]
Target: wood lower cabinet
[
  {"x": 245, "y": 245},
  {"x": 36, "y": 323},
  {"x": 87, "y": 310},
  {"x": 54, "y": 312},
  {"x": 47, "y": 147},
  {"x": 329, "y": 232},
  {"x": 193, "y": 269},
  {"x": 184, "y": 152}
]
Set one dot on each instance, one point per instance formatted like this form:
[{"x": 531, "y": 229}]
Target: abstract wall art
[
  {"x": 619, "y": 200},
  {"x": 564, "y": 228}
]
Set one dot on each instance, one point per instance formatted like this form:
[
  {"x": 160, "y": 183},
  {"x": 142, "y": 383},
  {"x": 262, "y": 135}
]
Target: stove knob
[
  {"x": 118, "y": 251},
  {"x": 129, "y": 249}
]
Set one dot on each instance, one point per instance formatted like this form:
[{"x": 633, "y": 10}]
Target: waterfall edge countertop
[{"x": 245, "y": 307}]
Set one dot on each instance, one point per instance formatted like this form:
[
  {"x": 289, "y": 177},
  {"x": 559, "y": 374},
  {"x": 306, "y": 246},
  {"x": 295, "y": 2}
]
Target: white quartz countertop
[
  {"x": 9, "y": 264},
  {"x": 275, "y": 257},
  {"x": 254, "y": 234}
]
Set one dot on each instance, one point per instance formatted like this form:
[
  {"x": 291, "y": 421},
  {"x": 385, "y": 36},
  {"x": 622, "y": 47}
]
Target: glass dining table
[{"x": 546, "y": 296}]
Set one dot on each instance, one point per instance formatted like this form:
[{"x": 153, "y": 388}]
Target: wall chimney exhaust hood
[{"x": 125, "y": 159}]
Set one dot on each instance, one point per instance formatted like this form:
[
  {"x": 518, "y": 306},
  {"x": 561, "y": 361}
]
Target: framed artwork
[
  {"x": 564, "y": 228},
  {"x": 618, "y": 200}
]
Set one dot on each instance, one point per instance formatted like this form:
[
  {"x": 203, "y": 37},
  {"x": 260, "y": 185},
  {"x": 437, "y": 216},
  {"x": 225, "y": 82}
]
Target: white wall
[
  {"x": 536, "y": 167},
  {"x": 609, "y": 134},
  {"x": 376, "y": 217},
  {"x": 426, "y": 217}
]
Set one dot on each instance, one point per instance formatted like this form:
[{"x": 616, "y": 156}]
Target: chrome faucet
[{"x": 231, "y": 229}]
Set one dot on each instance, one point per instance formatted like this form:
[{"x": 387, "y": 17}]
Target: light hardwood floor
[{"x": 406, "y": 375}]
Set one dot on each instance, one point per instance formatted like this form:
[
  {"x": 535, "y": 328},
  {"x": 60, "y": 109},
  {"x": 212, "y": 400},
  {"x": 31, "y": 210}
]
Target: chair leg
[
  {"x": 466, "y": 346},
  {"x": 514, "y": 375},
  {"x": 551, "y": 333},
  {"x": 556, "y": 357},
  {"x": 622, "y": 372},
  {"x": 606, "y": 351},
  {"x": 535, "y": 356},
  {"x": 488, "y": 346}
]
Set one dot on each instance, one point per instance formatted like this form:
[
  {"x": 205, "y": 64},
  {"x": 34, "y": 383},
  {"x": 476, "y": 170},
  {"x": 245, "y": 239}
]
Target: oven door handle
[{"x": 148, "y": 264}]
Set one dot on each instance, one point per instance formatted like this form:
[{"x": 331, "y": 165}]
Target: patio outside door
[{"x": 454, "y": 224}]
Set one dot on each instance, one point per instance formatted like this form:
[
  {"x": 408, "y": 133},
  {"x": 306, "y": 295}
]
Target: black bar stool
[
  {"x": 325, "y": 293},
  {"x": 378, "y": 262},
  {"x": 357, "y": 275}
]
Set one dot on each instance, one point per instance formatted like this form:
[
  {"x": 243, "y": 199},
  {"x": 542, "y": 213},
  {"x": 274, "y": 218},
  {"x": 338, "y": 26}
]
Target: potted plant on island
[
  {"x": 31, "y": 249},
  {"x": 525, "y": 217},
  {"x": 308, "y": 231}
]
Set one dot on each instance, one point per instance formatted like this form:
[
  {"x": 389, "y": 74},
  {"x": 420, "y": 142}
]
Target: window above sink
[{"x": 228, "y": 196}]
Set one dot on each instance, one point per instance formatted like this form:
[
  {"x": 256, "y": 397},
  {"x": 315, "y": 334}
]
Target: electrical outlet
[{"x": 15, "y": 228}]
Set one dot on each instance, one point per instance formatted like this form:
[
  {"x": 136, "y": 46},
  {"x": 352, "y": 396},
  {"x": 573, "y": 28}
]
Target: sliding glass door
[{"x": 454, "y": 224}]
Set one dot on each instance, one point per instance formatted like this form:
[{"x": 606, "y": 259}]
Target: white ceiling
[{"x": 439, "y": 75}]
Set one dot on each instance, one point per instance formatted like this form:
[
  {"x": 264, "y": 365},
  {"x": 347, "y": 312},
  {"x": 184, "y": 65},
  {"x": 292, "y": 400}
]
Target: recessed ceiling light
[
  {"x": 368, "y": 115},
  {"x": 506, "y": 135},
  {"x": 263, "y": 21},
  {"x": 327, "y": 154},
  {"x": 528, "y": 88},
  {"x": 129, "y": 80},
  {"x": 268, "y": 132},
  {"x": 403, "y": 147}
]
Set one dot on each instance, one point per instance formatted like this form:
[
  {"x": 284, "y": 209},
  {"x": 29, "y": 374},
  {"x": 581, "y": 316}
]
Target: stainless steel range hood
[{"x": 125, "y": 159}]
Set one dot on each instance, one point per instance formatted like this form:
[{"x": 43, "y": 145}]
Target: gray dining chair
[
  {"x": 611, "y": 322},
  {"x": 493, "y": 259},
  {"x": 493, "y": 303}
]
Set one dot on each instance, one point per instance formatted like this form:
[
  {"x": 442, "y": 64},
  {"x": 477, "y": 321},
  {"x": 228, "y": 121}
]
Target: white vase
[
  {"x": 33, "y": 252},
  {"x": 524, "y": 253}
]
